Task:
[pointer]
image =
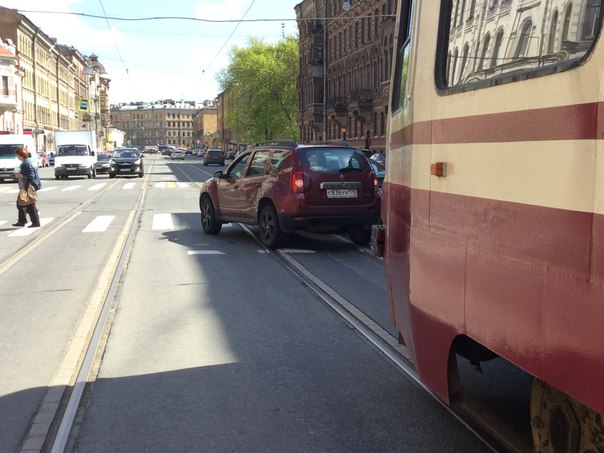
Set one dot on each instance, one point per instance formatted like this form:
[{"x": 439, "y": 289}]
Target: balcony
[
  {"x": 8, "y": 103},
  {"x": 338, "y": 105}
]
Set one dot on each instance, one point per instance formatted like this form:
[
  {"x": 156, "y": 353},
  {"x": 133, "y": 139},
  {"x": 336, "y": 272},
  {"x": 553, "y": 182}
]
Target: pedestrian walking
[{"x": 29, "y": 183}]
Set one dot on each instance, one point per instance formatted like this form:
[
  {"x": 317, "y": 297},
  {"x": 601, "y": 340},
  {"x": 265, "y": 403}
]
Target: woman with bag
[{"x": 29, "y": 183}]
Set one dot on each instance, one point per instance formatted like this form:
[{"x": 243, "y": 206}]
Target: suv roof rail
[
  {"x": 288, "y": 143},
  {"x": 334, "y": 142}
]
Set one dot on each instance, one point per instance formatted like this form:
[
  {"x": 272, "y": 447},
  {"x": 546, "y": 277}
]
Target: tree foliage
[{"x": 260, "y": 86}]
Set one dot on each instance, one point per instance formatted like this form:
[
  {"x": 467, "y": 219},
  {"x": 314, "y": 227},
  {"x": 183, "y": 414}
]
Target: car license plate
[{"x": 341, "y": 193}]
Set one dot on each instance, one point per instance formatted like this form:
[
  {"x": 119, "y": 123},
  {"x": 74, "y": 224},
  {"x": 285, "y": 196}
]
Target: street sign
[{"x": 84, "y": 105}]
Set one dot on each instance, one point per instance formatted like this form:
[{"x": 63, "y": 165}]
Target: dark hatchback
[
  {"x": 214, "y": 156},
  {"x": 284, "y": 188},
  {"x": 102, "y": 163},
  {"x": 126, "y": 161}
]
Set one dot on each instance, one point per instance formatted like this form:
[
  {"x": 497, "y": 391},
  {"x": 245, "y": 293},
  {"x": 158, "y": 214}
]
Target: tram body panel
[{"x": 508, "y": 247}]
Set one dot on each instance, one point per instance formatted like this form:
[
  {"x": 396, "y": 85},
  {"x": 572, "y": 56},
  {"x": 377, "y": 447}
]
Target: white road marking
[
  {"x": 162, "y": 222},
  {"x": 70, "y": 188},
  {"x": 227, "y": 225},
  {"x": 98, "y": 186},
  {"x": 160, "y": 185},
  {"x": 47, "y": 189},
  {"x": 261, "y": 251},
  {"x": 12, "y": 191},
  {"x": 128, "y": 186},
  {"x": 182, "y": 185},
  {"x": 2, "y": 222},
  {"x": 204, "y": 252},
  {"x": 100, "y": 224},
  {"x": 291, "y": 251},
  {"x": 29, "y": 231}
]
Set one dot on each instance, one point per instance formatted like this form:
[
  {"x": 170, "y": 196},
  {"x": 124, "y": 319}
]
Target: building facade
[
  {"x": 162, "y": 122},
  {"x": 11, "y": 115},
  {"x": 345, "y": 64},
  {"x": 55, "y": 79},
  {"x": 206, "y": 125}
]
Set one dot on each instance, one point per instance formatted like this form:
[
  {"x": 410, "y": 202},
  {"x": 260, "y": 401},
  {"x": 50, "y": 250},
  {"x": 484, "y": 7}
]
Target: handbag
[{"x": 27, "y": 196}]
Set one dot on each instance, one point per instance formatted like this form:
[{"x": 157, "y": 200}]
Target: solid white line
[
  {"x": 298, "y": 251},
  {"x": 128, "y": 186},
  {"x": 182, "y": 185},
  {"x": 29, "y": 231},
  {"x": 47, "y": 189},
  {"x": 160, "y": 185},
  {"x": 98, "y": 186},
  {"x": 100, "y": 224},
  {"x": 70, "y": 188},
  {"x": 227, "y": 225},
  {"x": 204, "y": 252},
  {"x": 162, "y": 222}
]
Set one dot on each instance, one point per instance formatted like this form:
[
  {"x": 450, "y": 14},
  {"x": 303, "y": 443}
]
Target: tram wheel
[{"x": 559, "y": 423}]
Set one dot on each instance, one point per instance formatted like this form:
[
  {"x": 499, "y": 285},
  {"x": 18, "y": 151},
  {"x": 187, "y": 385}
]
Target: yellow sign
[{"x": 84, "y": 105}]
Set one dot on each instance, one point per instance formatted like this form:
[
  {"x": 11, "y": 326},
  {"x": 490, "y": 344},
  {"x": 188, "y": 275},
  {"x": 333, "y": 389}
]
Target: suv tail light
[{"x": 298, "y": 182}]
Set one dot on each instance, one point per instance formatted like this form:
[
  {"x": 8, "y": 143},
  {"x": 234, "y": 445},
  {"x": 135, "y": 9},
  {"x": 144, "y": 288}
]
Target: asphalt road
[{"x": 214, "y": 346}]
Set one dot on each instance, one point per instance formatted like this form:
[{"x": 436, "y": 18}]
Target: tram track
[
  {"x": 81, "y": 354},
  {"x": 376, "y": 335}
]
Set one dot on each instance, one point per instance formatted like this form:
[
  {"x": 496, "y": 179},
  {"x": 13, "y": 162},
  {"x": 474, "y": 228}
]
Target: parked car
[
  {"x": 214, "y": 156},
  {"x": 102, "y": 163},
  {"x": 379, "y": 157},
  {"x": 379, "y": 170},
  {"x": 126, "y": 161},
  {"x": 284, "y": 187}
]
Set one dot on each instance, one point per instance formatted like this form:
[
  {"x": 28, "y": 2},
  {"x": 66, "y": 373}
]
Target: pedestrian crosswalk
[{"x": 13, "y": 190}]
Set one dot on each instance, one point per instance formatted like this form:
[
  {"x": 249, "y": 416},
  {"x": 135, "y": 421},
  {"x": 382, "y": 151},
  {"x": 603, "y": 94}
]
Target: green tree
[{"x": 260, "y": 83}]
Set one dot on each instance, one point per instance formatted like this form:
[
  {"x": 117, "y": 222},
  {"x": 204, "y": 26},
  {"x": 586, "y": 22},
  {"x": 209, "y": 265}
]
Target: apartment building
[
  {"x": 206, "y": 125},
  {"x": 160, "y": 122},
  {"x": 11, "y": 115},
  {"x": 55, "y": 79},
  {"x": 344, "y": 78}
]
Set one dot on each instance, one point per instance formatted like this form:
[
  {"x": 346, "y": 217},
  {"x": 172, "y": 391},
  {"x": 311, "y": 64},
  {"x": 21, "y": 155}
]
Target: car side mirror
[
  {"x": 219, "y": 174},
  {"x": 92, "y": 153}
]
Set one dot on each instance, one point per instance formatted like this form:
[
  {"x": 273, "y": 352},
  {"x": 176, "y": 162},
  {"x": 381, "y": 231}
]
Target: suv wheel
[
  {"x": 208, "y": 218},
  {"x": 271, "y": 234},
  {"x": 360, "y": 236}
]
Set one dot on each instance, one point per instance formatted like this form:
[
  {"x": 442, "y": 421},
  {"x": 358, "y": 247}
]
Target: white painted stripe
[
  {"x": 70, "y": 188},
  {"x": 47, "y": 189},
  {"x": 182, "y": 185},
  {"x": 98, "y": 186},
  {"x": 291, "y": 251},
  {"x": 100, "y": 224},
  {"x": 2, "y": 222},
  {"x": 160, "y": 185},
  {"x": 12, "y": 191},
  {"x": 128, "y": 186},
  {"x": 205, "y": 252},
  {"x": 162, "y": 222},
  {"x": 227, "y": 225},
  {"x": 261, "y": 251},
  {"x": 29, "y": 231}
]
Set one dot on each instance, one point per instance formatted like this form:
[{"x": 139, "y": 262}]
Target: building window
[
  {"x": 497, "y": 48},
  {"x": 485, "y": 49},
  {"x": 551, "y": 43},
  {"x": 523, "y": 41},
  {"x": 5, "y": 85},
  {"x": 590, "y": 20},
  {"x": 566, "y": 28}
]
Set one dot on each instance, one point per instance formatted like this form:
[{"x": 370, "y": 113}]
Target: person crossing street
[{"x": 26, "y": 200}]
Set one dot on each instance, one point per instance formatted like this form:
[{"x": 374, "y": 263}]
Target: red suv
[{"x": 285, "y": 187}]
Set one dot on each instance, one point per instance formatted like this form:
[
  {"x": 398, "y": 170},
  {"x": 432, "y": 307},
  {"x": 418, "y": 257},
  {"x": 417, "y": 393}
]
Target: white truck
[
  {"x": 9, "y": 164},
  {"x": 75, "y": 154}
]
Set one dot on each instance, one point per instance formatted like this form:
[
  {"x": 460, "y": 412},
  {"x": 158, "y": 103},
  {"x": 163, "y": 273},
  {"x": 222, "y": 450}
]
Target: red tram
[{"x": 493, "y": 202}]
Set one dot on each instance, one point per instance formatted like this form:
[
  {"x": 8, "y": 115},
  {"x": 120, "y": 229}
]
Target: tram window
[
  {"x": 401, "y": 70},
  {"x": 530, "y": 40}
]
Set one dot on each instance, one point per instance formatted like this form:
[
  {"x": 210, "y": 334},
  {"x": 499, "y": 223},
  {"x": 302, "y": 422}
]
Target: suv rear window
[{"x": 329, "y": 160}]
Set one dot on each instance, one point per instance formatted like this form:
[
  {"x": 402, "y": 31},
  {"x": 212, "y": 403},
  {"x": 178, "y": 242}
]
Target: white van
[{"x": 9, "y": 164}]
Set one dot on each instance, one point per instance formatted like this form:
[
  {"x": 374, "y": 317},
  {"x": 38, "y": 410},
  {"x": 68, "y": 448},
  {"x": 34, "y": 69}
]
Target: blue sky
[{"x": 165, "y": 59}]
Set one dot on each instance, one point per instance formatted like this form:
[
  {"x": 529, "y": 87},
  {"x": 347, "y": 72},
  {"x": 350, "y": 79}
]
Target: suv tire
[
  {"x": 271, "y": 234},
  {"x": 208, "y": 217}
]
